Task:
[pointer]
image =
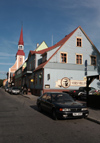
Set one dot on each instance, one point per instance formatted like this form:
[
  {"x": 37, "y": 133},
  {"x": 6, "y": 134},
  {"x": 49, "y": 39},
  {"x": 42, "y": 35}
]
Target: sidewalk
[{"x": 94, "y": 114}]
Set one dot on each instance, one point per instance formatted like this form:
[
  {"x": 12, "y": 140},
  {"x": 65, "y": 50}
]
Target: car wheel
[
  {"x": 54, "y": 114},
  {"x": 85, "y": 116},
  {"x": 39, "y": 108}
]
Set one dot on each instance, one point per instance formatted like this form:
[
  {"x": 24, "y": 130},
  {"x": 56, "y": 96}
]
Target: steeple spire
[{"x": 21, "y": 42}]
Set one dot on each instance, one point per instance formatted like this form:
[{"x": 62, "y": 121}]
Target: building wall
[
  {"x": 59, "y": 74},
  {"x": 20, "y": 60},
  {"x": 31, "y": 62}
]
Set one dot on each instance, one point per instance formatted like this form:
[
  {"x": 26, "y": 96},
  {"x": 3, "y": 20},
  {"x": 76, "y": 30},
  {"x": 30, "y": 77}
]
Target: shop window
[
  {"x": 63, "y": 57},
  {"x": 93, "y": 60},
  {"x": 79, "y": 59}
]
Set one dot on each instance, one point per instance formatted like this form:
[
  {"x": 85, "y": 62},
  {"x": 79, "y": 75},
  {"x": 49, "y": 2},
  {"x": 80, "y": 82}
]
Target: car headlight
[
  {"x": 64, "y": 109},
  {"x": 83, "y": 109}
]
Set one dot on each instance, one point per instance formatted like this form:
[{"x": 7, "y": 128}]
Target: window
[
  {"x": 93, "y": 60},
  {"x": 48, "y": 76},
  {"x": 48, "y": 97},
  {"x": 44, "y": 58},
  {"x": 40, "y": 78},
  {"x": 44, "y": 96},
  {"x": 20, "y": 47},
  {"x": 79, "y": 42},
  {"x": 63, "y": 57},
  {"x": 79, "y": 59},
  {"x": 20, "y": 59}
]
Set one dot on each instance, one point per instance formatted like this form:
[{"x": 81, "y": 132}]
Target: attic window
[
  {"x": 44, "y": 58},
  {"x": 79, "y": 42}
]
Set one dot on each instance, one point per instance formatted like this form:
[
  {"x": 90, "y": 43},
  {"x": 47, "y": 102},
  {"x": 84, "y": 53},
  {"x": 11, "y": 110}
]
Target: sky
[{"x": 43, "y": 20}]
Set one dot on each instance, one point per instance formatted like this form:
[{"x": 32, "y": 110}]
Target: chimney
[{"x": 37, "y": 45}]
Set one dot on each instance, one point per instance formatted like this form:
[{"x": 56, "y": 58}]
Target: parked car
[
  {"x": 10, "y": 89},
  {"x": 61, "y": 105},
  {"x": 6, "y": 89},
  {"x": 15, "y": 90},
  {"x": 83, "y": 95},
  {"x": 77, "y": 93}
]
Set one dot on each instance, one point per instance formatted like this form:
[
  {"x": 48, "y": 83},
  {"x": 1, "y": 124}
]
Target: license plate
[{"x": 77, "y": 114}]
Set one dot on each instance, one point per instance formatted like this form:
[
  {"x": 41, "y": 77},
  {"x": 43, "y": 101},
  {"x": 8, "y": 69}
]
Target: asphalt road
[{"x": 20, "y": 122}]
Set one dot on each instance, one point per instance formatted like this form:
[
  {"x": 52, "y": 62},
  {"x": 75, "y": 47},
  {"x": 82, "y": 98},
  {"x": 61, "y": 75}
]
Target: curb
[{"x": 93, "y": 120}]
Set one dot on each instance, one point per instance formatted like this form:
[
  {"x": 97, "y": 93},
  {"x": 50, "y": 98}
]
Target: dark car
[
  {"x": 61, "y": 105},
  {"x": 15, "y": 90},
  {"x": 83, "y": 95},
  {"x": 10, "y": 89},
  {"x": 6, "y": 89}
]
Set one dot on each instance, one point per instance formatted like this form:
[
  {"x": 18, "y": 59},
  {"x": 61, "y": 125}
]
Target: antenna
[
  {"x": 21, "y": 23},
  {"x": 52, "y": 39}
]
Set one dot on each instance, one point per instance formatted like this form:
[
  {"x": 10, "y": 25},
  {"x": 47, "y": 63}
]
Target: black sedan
[{"x": 61, "y": 105}]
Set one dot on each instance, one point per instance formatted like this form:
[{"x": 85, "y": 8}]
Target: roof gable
[
  {"x": 42, "y": 46},
  {"x": 60, "y": 44}
]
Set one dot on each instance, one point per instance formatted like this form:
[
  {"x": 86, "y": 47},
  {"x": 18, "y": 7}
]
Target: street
[{"x": 21, "y": 122}]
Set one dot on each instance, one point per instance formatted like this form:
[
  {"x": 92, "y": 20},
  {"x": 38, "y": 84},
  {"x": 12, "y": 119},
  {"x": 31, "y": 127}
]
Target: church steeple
[
  {"x": 21, "y": 42},
  {"x": 20, "y": 55}
]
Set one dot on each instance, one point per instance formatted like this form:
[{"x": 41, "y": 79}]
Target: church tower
[{"x": 20, "y": 55}]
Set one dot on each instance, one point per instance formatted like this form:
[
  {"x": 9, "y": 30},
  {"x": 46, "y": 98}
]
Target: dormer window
[
  {"x": 44, "y": 58},
  {"x": 63, "y": 57}
]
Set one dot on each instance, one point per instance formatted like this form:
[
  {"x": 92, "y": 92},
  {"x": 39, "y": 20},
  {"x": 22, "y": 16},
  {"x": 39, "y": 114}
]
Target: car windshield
[
  {"x": 61, "y": 97},
  {"x": 15, "y": 88}
]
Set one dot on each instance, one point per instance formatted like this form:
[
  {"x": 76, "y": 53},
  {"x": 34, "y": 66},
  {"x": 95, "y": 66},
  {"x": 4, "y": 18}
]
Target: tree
[{"x": 1, "y": 82}]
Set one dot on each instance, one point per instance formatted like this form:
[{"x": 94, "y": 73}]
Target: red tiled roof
[
  {"x": 61, "y": 42},
  {"x": 20, "y": 52}
]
